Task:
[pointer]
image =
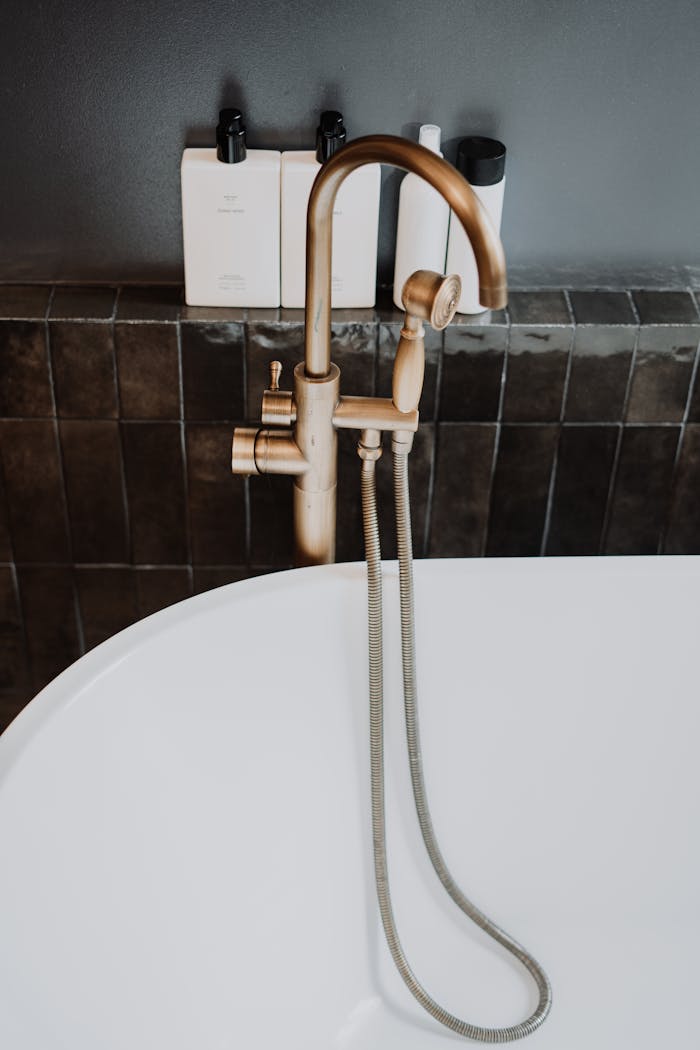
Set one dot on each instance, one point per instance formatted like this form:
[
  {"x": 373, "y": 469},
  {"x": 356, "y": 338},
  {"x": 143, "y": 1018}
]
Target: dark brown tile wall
[{"x": 567, "y": 425}]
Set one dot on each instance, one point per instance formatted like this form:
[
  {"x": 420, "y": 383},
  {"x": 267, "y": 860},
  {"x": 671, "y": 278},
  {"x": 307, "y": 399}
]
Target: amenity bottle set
[{"x": 244, "y": 220}]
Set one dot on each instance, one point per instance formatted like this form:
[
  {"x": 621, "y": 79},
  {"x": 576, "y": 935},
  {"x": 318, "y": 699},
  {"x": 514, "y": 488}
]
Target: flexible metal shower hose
[{"x": 374, "y": 579}]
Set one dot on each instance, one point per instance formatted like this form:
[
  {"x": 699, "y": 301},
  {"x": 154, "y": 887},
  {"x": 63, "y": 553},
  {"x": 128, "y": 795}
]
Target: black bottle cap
[
  {"x": 230, "y": 136},
  {"x": 330, "y": 134},
  {"x": 481, "y": 161}
]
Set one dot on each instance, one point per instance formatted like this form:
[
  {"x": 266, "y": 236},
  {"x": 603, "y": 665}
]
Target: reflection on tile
[
  {"x": 149, "y": 303},
  {"x": 462, "y": 490},
  {"x": 108, "y": 604},
  {"x": 602, "y": 308},
  {"x": 683, "y": 536},
  {"x": 13, "y": 664},
  {"x": 639, "y": 503},
  {"x": 521, "y": 490},
  {"x": 270, "y": 342},
  {"x": 599, "y": 375},
  {"x": 82, "y": 354},
  {"x": 354, "y": 349},
  {"x": 148, "y": 371},
  {"x": 216, "y": 498},
  {"x": 389, "y": 335},
  {"x": 662, "y": 370},
  {"x": 472, "y": 371},
  {"x": 156, "y": 492},
  {"x": 584, "y": 465},
  {"x": 535, "y": 374},
  {"x": 34, "y": 490},
  {"x": 92, "y": 469},
  {"x": 25, "y": 388},
  {"x": 538, "y": 308},
  {"x": 212, "y": 371},
  {"x": 156, "y": 589},
  {"x": 24, "y": 301},
  {"x": 48, "y": 602},
  {"x": 665, "y": 307},
  {"x": 82, "y": 304}
]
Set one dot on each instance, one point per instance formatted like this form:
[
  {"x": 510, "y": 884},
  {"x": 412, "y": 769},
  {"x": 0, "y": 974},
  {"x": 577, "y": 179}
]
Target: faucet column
[{"x": 315, "y": 489}]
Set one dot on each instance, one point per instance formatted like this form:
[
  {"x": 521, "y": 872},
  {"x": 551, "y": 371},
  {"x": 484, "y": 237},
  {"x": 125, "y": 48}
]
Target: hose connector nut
[{"x": 369, "y": 447}]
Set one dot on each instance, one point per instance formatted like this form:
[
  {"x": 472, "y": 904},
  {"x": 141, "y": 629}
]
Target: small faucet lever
[
  {"x": 275, "y": 373},
  {"x": 278, "y": 407}
]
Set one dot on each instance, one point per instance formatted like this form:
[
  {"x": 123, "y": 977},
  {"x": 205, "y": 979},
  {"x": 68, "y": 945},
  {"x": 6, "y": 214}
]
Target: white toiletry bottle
[
  {"x": 355, "y": 222},
  {"x": 482, "y": 161},
  {"x": 421, "y": 233},
  {"x": 231, "y": 220}
]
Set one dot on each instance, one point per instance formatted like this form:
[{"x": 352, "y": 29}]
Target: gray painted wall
[{"x": 597, "y": 102}]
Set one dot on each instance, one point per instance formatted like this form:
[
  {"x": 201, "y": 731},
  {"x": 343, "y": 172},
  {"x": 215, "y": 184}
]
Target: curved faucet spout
[{"x": 401, "y": 153}]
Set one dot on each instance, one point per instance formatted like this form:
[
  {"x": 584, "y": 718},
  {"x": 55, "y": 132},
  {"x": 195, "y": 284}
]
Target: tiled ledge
[
  {"x": 165, "y": 303},
  {"x": 568, "y": 424}
]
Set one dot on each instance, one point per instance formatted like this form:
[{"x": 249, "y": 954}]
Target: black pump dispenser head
[
  {"x": 230, "y": 137},
  {"x": 482, "y": 161},
  {"x": 330, "y": 134}
]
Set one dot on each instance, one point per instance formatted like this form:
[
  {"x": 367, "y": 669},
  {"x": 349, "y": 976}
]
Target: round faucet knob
[
  {"x": 432, "y": 297},
  {"x": 275, "y": 373}
]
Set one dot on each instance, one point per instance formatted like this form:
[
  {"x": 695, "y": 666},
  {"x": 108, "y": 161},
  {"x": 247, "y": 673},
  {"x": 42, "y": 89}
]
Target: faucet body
[{"x": 315, "y": 410}]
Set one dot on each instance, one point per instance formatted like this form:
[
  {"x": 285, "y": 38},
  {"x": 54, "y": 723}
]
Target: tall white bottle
[
  {"x": 482, "y": 161},
  {"x": 424, "y": 215},
  {"x": 231, "y": 220},
  {"x": 355, "y": 222}
]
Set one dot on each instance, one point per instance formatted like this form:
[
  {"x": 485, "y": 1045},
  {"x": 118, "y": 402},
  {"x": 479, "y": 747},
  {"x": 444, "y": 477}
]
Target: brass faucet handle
[
  {"x": 433, "y": 297},
  {"x": 409, "y": 366},
  {"x": 427, "y": 296},
  {"x": 278, "y": 408},
  {"x": 275, "y": 373}
]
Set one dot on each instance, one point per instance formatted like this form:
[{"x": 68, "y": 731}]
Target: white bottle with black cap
[
  {"x": 231, "y": 220},
  {"x": 424, "y": 215},
  {"x": 482, "y": 161},
  {"x": 355, "y": 222}
]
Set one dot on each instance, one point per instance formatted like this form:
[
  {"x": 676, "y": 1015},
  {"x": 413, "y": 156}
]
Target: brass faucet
[{"x": 306, "y": 447}]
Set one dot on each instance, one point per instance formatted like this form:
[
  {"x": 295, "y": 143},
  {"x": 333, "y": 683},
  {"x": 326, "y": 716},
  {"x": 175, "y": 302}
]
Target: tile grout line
[
  {"x": 120, "y": 432},
  {"x": 562, "y": 411},
  {"x": 679, "y": 447},
  {"x": 614, "y": 471},
  {"x": 183, "y": 450},
  {"x": 62, "y": 477},
  {"x": 12, "y": 566},
  {"x": 496, "y": 442}
]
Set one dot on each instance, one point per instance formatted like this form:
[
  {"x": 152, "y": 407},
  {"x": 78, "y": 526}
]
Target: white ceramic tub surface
[{"x": 184, "y": 817}]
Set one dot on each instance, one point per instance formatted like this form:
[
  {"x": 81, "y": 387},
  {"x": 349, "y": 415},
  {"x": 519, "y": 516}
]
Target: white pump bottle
[
  {"x": 421, "y": 235},
  {"x": 482, "y": 162},
  {"x": 355, "y": 221}
]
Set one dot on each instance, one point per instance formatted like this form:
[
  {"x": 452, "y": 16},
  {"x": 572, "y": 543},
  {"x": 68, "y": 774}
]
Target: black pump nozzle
[
  {"x": 230, "y": 136},
  {"x": 330, "y": 134}
]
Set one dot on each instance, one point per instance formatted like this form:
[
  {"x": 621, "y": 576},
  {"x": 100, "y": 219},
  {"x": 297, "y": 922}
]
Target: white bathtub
[{"x": 184, "y": 817}]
